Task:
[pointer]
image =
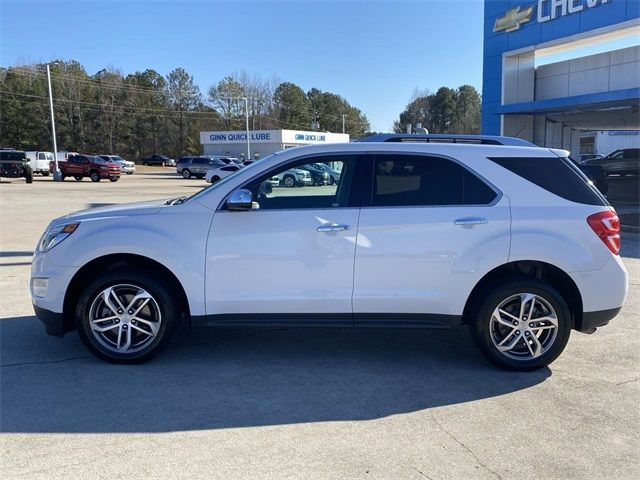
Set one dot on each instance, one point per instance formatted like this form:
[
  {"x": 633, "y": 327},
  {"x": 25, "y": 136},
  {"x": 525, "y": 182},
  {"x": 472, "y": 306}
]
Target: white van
[{"x": 39, "y": 161}]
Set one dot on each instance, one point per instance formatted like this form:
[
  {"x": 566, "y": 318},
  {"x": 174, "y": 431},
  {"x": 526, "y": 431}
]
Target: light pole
[
  {"x": 56, "y": 171},
  {"x": 343, "y": 116},
  {"x": 246, "y": 117}
]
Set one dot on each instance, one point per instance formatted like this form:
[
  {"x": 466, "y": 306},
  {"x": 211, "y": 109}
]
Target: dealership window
[{"x": 414, "y": 180}]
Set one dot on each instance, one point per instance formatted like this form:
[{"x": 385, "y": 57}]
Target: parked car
[
  {"x": 594, "y": 173},
  {"x": 63, "y": 155},
  {"x": 621, "y": 162},
  {"x": 81, "y": 166},
  {"x": 334, "y": 175},
  {"x": 293, "y": 177},
  {"x": 506, "y": 238},
  {"x": 216, "y": 174},
  {"x": 318, "y": 175},
  {"x": 160, "y": 160},
  {"x": 39, "y": 161},
  {"x": 14, "y": 164},
  {"x": 590, "y": 156},
  {"x": 197, "y": 166},
  {"x": 126, "y": 166}
]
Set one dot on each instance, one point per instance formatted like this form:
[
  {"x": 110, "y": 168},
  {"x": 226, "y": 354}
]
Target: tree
[
  {"x": 183, "y": 94},
  {"x": 291, "y": 106},
  {"x": 468, "y": 110},
  {"x": 226, "y": 98}
]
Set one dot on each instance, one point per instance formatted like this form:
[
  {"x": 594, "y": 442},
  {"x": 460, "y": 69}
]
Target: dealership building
[
  {"x": 555, "y": 71},
  {"x": 263, "y": 142}
]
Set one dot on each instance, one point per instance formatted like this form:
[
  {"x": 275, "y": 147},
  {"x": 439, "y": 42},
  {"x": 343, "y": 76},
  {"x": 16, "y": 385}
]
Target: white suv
[{"x": 510, "y": 240}]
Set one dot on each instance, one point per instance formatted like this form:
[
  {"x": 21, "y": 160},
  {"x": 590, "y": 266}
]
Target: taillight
[{"x": 607, "y": 227}]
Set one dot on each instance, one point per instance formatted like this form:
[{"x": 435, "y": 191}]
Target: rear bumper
[{"x": 593, "y": 320}]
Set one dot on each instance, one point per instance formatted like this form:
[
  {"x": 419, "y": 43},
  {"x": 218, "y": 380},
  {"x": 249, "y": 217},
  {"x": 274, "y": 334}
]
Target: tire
[
  {"x": 200, "y": 177},
  {"x": 161, "y": 316},
  {"x": 29, "y": 177},
  {"x": 62, "y": 177},
  {"x": 78, "y": 178},
  {"x": 129, "y": 173},
  {"x": 215, "y": 179},
  {"x": 45, "y": 174},
  {"x": 521, "y": 353},
  {"x": 289, "y": 181},
  {"x": 114, "y": 179},
  {"x": 186, "y": 174},
  {"x": 94, "y": 176}
]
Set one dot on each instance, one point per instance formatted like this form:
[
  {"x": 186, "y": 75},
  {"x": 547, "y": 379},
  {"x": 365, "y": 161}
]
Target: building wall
[{"x": 527, "y": 37}]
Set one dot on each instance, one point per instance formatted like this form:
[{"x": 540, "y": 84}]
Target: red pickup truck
[{"x": 80, "y": 166}]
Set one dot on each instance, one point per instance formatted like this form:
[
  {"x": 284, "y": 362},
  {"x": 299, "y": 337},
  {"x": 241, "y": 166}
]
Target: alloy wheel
[
  {"x": 523, "y": 326},
  {"x": 124, "y": 318}
]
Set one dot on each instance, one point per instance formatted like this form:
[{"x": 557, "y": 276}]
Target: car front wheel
[
  {"x": 127, "y": 316},
  {"x": 186, "y": 173},
  {"x": 523, "y": 324},
  {"x": 94, "y": 176}
]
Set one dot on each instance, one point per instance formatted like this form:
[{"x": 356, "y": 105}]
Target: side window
[
  {"x": 42, "y": 156},
  {"x": 415, "y": 180},
  {"x": 631, "y": 154},
  {"x": 292, "y": 185}
]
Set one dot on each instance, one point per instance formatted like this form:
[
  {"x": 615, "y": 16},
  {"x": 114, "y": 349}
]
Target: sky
[{"x": 373, "y": 53}]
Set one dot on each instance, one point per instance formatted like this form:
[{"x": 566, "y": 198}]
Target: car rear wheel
[
  {"x": 29, "y": 177},
  {"x": 186, "y": 173},
  {"x": 45, "y": 174},
  {"x": 95, "y": 176},
  {"x": 523, "y": 324},
  {"x": 127, "y": 316},
  {"x": 78, "y": 178},
  {"x": 114, "y": 179},
  {"x": 215, "y": 179}
]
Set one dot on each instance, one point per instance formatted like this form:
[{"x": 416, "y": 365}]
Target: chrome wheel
[
  {"x": 523, "y": 326},
  {"x": 124, "y": 318}
]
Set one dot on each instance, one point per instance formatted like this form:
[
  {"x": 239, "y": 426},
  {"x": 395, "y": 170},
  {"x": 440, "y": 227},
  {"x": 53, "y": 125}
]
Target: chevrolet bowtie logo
[{"x": 513, "y": 19}]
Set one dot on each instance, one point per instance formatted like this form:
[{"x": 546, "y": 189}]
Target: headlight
[{"x": 54, "y": 235}]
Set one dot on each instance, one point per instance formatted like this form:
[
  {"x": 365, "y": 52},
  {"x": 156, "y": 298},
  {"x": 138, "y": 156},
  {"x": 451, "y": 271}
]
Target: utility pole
[
  {"x": 56, "y": 171},
  {"x": 343, "y": 117},
  {"x": 246, "y": 116}
]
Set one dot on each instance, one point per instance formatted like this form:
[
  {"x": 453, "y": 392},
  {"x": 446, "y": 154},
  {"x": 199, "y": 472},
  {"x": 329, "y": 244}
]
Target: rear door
[{"x": 430, "y": 231}]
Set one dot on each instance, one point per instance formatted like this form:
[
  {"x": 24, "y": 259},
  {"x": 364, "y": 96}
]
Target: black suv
[{"x": 14, "y": 164}]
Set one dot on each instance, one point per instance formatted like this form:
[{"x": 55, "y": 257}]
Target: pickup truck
[{"x": 80, "y": 166}]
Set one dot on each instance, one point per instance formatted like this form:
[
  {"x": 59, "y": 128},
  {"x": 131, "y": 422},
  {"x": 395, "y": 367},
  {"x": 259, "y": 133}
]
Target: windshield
[
  {"x": 97, "y": 159},
  {"x": 117, "y": 158},
  {"x": 12, "y": 156},
  {"x": 216, "y": 185}
]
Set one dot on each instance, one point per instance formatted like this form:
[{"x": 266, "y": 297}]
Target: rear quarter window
[{"x": 555, "y": 175}]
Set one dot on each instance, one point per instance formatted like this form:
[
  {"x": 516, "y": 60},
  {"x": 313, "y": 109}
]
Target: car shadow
[{"x": 241, "y": 377}]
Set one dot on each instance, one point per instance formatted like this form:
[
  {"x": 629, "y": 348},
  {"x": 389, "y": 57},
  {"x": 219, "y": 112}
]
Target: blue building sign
[{"x": 519, "y": 25}]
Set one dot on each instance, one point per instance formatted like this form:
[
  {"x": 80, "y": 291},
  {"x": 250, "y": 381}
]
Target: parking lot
[{"x": 299, "y": 403}]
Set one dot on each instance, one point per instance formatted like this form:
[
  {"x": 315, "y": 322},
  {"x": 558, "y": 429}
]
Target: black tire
[
  {"x": 94, "y": 176},
  {"x": 289, "y": 181},
  {"x": 29, "y": 177},
  {"x": 129, "y": 173},
  {"x": 200, "y": 177},
  {"x": 45, "y": 174},
  {"x": 215, "y": 179},
  {"x": 114, "y": 179},
  {"x": 78, "y": 178},
  {"x": 163, "y": 294},
  {"x": 490, "y": 299},
  {"x": 186, "y": 173}
]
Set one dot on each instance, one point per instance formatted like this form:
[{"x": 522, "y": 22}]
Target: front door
[
  {"x": 291, "y": 260},
  {"x": 430, "y": 233}
]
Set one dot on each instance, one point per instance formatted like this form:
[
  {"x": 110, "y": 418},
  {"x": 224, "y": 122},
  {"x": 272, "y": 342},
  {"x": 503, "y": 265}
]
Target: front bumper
[{"x": 53, "y": 322}]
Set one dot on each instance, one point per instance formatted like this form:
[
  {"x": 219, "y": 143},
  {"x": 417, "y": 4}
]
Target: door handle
[
  {"x": 333, "y": 227},
  {"x": 469, "y": 221}
]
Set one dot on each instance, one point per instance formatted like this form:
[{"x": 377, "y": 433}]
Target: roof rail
[{"x": 446, "y": 138}]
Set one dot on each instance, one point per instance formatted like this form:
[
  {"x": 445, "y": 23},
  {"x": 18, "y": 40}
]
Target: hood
[{"x": 121, "y": 210}]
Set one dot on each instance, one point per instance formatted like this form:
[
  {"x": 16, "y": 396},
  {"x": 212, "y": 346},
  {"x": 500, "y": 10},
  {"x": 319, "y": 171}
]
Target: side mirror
[{"x": 241, "y": 199}]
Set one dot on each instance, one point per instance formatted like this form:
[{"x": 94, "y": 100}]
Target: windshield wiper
[{"x": 176, "y": 201}]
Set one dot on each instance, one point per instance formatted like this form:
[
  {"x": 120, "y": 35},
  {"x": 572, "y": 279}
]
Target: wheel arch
[
  {"x": 113, "y": 262},
  {"x": 546, "y": 272}
]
